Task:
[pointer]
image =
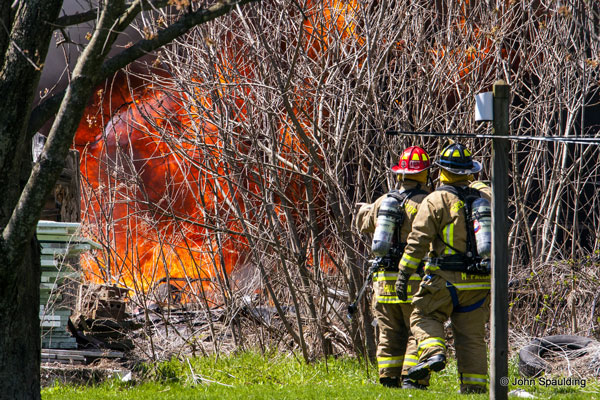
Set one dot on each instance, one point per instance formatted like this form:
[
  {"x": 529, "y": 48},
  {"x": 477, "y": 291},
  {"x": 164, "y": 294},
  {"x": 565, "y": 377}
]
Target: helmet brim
[
  {"x": 458, "y": 171},
  {"x": 399, "y": 170}
]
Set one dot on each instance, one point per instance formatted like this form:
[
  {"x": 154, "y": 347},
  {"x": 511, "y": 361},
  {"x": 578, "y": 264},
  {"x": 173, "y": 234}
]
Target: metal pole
[{"x": 499, "y": 314}]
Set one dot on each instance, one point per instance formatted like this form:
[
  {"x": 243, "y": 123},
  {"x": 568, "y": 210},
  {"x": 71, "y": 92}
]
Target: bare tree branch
[{"x": 46, "y": 109}]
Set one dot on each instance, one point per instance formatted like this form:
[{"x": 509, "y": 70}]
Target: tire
[{"x": 531, "y": 357}]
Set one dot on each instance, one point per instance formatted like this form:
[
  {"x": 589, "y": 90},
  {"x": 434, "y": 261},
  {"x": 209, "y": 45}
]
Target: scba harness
[{"x": 470, "y": 261}]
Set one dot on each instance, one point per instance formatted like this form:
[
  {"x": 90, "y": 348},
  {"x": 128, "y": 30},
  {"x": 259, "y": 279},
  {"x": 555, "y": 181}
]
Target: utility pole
[{"x": 499, "y": 316}]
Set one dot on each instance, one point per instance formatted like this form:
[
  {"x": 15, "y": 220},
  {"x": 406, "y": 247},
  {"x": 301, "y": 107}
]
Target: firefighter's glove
[{"x": 402, "y": 285}]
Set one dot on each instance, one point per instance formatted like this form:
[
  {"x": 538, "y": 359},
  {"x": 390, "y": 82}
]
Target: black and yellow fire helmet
[{"x": 457, "y": 159}]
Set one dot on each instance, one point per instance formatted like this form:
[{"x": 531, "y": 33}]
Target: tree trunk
[{"x": 20, "y": 344}]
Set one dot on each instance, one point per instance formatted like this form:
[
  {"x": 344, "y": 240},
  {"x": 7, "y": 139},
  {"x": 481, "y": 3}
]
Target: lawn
[{"x": 281, "y": 376}]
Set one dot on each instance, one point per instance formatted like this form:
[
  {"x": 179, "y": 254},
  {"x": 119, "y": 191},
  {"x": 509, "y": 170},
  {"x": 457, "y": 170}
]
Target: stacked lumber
[{"x": 60, "y": 275}]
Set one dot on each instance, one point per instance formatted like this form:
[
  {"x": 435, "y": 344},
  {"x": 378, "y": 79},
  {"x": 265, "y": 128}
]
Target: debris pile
[{"x": 101, "y": 320}]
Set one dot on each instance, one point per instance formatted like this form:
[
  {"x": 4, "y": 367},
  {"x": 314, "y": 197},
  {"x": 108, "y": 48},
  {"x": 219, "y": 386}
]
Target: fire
[{"x": 142, "y": 198}]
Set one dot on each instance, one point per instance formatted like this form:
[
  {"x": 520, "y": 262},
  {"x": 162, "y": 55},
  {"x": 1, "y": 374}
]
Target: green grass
[{"x": 282, "y": 376}]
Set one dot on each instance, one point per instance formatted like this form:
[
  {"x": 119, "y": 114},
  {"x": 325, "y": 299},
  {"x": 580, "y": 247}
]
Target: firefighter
[
  {"x": 456, "y": 285},
  {"x": 393, "y": 315}
]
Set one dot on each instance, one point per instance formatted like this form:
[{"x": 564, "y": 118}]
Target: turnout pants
[
  {"x": 393, "y": 336},
  {"x": 436, "y": 302},
  {"x": 396, "y": 347},
  {"x": 411, "y": 355}
]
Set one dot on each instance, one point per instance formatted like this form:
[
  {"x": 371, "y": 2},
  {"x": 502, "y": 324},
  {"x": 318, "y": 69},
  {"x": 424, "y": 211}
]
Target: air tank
[
  {"x": 481, "y": 215},
  {"x": 387, "y": 218}
]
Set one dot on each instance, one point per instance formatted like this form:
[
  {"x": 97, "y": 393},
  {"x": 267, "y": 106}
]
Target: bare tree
[{"x": 25, "y": 35}]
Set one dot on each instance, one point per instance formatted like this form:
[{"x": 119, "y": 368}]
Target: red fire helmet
[{"x": 412, "y": 161}]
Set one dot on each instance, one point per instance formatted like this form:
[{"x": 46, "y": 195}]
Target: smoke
[{"x": 66, "y": 47}]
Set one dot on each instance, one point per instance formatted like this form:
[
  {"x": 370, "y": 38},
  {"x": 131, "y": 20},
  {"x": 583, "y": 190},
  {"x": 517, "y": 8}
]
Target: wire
[{"x": 557, "y": 139}]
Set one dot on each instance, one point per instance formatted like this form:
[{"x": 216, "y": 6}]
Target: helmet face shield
[
  {"x": 457, "y": 159},
  {"x": 412, "y": 161}
]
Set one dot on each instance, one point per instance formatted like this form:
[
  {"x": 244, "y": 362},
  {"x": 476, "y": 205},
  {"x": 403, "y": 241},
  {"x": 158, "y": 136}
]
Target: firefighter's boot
[
  {"x": 434, "y": 363},
  {"x": 390, "y": 381},
  {"x": 472, "y": 389},
  {"x": 410, "y": 384}
]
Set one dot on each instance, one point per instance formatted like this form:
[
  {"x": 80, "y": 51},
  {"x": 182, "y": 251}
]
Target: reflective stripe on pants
[{"x": 390, "y": 362}]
